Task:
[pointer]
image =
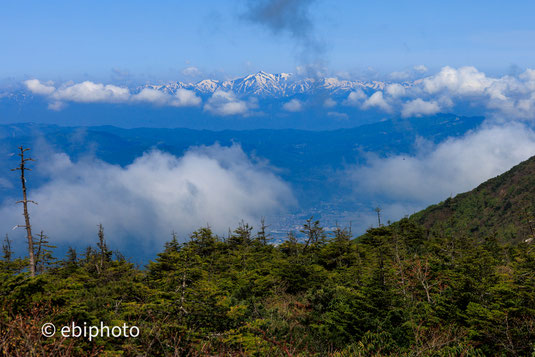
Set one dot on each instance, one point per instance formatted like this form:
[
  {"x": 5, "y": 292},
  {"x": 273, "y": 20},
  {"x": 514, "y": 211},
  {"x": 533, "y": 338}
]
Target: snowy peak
[
  {"x": 207, "y": 86},
  {"x": 261, "y": 83},
  {"x": 265, "y": 84}
]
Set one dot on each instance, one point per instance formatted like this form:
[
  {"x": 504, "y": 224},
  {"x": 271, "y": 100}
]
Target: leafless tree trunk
[{"x": 22, "y": 167}]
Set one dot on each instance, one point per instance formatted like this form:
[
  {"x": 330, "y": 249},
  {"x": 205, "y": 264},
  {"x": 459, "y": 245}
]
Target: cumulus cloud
[
  {"x": 356, "y": 97},
  {"x": 152, "y": 95},
  {"x": 293, "y": 105},
  {"x": 456, "y": 88},
  {"x": 227, "y": 103},
  {"x": 90, "y": 92},
  {"x": 377, "y": 100},
  {"x": 395, "y": 90},
  {"x": 465, "y": 81},
  {"x": 85, "y": 92},
  {"x": 182, "y": 97},
  {"x": 35, "y": 86},
  {"x": 155, "y": 194},
  {"x": 418, "y": 107},
  {"x": 508, "y": 95},
  {"x": 453, "y": 166}
]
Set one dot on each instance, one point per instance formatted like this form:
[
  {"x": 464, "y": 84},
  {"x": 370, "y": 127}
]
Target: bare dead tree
[
  {"x": 22, "y": 167},
  {"x": 378, "y": 210}
]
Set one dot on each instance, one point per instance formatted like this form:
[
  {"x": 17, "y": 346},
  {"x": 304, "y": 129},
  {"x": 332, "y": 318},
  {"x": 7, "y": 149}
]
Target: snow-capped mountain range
[{"x": 273, "y": 85}]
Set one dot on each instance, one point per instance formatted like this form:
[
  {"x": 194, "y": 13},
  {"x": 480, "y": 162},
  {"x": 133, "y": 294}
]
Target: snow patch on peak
[{"x": 264, "y": 84}]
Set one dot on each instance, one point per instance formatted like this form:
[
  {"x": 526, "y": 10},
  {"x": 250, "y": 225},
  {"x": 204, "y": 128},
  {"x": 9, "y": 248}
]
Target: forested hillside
[
  {"x": 397, "y": 290},
  {"x": 503, "y": 206}
]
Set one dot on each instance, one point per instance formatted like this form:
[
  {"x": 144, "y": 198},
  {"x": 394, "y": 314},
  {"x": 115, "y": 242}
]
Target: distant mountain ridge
[
  {"x": 503, "y": 206},
  {"x": 273, "y": 85}
]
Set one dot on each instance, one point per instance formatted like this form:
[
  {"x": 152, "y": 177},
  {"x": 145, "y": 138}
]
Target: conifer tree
[
  {"x": 7, "y": 250},
  {"x": 43, "y": 256}
]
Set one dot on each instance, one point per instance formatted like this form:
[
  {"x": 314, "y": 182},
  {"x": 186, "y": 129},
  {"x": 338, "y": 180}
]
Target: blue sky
[{"x": 110, "y": 40}]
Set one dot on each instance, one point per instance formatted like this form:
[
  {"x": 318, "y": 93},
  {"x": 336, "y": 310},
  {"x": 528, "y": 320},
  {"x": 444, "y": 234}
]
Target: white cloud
[
  {"x": 185, "y": 98},
  {"x": 451, "y": 167},
  {"x": 182, "y": 97},
  {"x": 89, "y": 92},
  {"x": 293, "y": 105},
  {"x": 356, "y": 97},
  {"x": 56, "y": 106},
  {"x": 464, "y": 81},
  {"x": 329, "y": 103},
  {"x": 513, "y": 97},
  {"x": 151, "y": 95},
  {"x": 152, "y": 196},
  {"x": 465, "y": 87},
  {"x": 420, "y": 68},
  {"x": 338, "y": 115},
  {"x": 191, "y": 72},
  {"x": 377, "y": 100},
  {"x": 395, "y": 90},
  {"x": 418, "y": 107},
  {"x": 36, "y": 87},
  {"x": 226, "y": 103}
]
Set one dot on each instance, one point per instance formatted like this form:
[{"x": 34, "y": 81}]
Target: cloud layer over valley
[
  {"x": 403, "y": 184},
  {"x": 151, "y": 197}
]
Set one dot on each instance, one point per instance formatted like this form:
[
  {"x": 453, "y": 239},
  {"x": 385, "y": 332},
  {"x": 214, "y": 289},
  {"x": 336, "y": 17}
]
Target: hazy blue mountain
[
  {"x": 308, "y": 160},
  {"x": 305, "y": 157}
]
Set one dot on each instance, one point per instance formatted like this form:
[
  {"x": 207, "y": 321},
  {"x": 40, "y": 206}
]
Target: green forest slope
[{"x": 503, "y": 206}]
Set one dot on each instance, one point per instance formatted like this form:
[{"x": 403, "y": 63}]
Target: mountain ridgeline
[{"x": 503, "y": 206}]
